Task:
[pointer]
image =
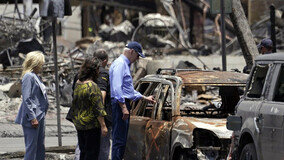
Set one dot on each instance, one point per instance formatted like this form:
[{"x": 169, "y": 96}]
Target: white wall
[{"x": 71, "y": 25}]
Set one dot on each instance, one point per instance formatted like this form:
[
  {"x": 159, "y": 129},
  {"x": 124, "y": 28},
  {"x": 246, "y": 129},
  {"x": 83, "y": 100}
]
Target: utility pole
[
  {"x": 223, "y": 33},
  {"x": 273, "y": 32},
  {"x": 54, "y": 14},
  {"x": 54, "y": 21},
  {"x": 222, "y": 7}
]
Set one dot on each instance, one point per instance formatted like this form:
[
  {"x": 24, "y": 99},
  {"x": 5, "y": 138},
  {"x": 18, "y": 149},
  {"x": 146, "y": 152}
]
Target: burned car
[
  {"x": 188, "y": 120},
  {"x": 259, "y": 120}
]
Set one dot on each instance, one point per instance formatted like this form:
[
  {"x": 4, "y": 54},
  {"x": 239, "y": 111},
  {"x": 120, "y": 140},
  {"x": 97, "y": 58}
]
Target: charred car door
[
  {"x": 158, "y": 129},
  {"x": 141, "y": 113},
  {"x": 271, "y": 116}
]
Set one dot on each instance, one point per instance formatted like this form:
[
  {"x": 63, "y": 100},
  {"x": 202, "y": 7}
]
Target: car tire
[{"x": 248, "y": 152}]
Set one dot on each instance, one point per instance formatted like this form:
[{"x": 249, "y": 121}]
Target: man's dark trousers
[{"x": 119, "y": 130}]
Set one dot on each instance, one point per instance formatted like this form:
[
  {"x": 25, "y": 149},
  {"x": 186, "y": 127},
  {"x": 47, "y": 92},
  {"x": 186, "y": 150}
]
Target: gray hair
[{"x": 126, "y": 49}]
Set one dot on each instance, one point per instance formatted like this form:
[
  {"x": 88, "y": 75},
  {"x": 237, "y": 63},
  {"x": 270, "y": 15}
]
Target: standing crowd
[{"x": 100, "y": 107}]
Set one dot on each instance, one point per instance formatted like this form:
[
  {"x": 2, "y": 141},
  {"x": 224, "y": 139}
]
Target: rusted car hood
[{"x": 218, "y": 126}]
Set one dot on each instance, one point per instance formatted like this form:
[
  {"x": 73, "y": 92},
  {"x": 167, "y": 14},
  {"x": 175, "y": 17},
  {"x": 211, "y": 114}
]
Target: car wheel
[{"x": 248, "y": 152}]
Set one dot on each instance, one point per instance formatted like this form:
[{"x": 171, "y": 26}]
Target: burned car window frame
[
  {"x": 141, "y": 104},
  {"x": 164, "y": 112},
  {"x": 139, "y": 107},
  {"x": 251, "y": 81}
]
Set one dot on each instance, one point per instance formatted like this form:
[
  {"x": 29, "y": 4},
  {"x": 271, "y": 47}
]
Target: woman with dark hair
[{"x": 88, "y": 110}]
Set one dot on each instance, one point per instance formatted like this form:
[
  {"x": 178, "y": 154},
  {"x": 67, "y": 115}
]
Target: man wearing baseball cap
[
  {"x": 122, "y": 92},
  {"x": 265, "y": 46}
]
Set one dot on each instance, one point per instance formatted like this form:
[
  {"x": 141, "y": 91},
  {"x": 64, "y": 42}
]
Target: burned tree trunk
[
  {"x": 85, "y": 20},
  {"x": 243, "y": 32}
]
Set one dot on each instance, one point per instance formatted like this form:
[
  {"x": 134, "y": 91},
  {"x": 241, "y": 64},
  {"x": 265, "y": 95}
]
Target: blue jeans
[
  {"x": 34, "y": 141},
  {"x": 119, "y": 130}
]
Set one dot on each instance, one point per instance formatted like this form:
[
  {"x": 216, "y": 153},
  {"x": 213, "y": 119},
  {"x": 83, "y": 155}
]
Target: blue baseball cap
[
  {"x": 137, "y": 47},
  {"x": 267, "y": 43}
]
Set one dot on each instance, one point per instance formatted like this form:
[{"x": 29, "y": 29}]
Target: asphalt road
[{"x": 17, "y": 144}]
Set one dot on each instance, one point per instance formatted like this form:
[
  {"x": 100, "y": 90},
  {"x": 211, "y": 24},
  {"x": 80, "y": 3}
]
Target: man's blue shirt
[{"x": 121, "y": 85}]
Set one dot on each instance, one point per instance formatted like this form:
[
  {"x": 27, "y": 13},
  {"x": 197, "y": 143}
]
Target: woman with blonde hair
[{"x": 34, "y": 106}]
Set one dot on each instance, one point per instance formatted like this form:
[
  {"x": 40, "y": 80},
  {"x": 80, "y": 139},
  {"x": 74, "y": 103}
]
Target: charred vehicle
[
  {"x": 259, "y": 120},
  {"x": 188, "y": 120}
]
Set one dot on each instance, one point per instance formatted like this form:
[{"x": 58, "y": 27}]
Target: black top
[{"x": 103, "y": 83}]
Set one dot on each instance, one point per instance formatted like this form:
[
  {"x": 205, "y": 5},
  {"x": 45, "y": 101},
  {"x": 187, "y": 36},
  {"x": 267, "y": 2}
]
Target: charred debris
[{"x": 163, "y": 28}]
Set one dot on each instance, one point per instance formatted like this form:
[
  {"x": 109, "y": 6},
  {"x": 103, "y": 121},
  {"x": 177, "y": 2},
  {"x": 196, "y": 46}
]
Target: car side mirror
[{"x": 234, "y": 123}]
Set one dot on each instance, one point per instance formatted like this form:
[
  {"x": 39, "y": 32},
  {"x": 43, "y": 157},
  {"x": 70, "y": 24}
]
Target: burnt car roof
[
  {"x": 215, "y": 78},
  {"x": 206, "y": 78},
  {"x": 271, "y": 57}
]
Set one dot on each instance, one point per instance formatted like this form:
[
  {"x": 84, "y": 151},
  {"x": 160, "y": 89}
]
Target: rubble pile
[
  {"x": 9, "y": 107},
  {"x": 14, "y": 30},
  {"x": 52, "y": 153},
  {"x": 200, "y": 99},
  {"x": 18, "y": 36},
  {"x": 119, "y": 33}
]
